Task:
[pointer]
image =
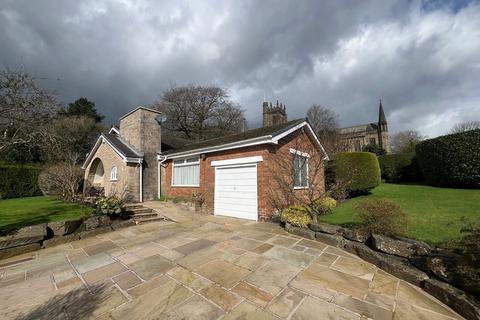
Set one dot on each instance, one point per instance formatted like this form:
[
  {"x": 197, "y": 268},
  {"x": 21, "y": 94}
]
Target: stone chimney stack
[
  {"x": 273, "y": 115},
  {"x": 141, "y": 130}
]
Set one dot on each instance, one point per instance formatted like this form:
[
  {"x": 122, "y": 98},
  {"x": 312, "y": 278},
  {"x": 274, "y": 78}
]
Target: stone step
[
  {"x": 133, "y": 205},
  {"x": 138, "y": 209},
  {"x": 146, "y": 220},
  {"x": 145, "y": 215}
]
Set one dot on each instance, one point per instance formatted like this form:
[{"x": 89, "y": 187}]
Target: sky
[{"x": 422, "y": 58}]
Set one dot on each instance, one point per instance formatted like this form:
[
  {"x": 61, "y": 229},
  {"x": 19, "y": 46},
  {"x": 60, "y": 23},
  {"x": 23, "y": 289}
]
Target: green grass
[
  {"x": 33, "y": 210},
  {"x": 434, "y": 214}
]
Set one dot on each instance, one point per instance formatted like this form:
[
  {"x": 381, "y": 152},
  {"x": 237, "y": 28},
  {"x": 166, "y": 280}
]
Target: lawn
[
  {"x": 34, "y": 210},
  {"x": 434, "y": 214}
]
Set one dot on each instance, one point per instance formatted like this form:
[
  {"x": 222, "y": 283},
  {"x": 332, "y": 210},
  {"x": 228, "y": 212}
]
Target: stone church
[{"x": 359, "y": 136}]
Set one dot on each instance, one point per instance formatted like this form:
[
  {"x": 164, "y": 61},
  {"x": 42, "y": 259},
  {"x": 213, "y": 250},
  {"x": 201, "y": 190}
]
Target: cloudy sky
[{"x": 422, "y": 58}]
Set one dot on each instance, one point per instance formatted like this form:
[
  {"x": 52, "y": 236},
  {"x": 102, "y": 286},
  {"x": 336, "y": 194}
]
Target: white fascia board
[
  {"x": 229, "y": 146},
  {"x": 114, "y": 130},
  {"x": 101, "y": 140},
  {"x": 236, "y": 161}
]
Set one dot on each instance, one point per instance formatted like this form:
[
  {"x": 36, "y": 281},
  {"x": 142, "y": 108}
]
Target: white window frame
[
  {"x": 306, "y": 156},
  {"x": 114, "y": 174},
  {"x": 185, "y": 164}
]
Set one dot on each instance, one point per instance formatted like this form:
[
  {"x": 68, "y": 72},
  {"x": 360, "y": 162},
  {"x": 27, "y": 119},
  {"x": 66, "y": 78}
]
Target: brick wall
[{"x": 272, "y": 156}]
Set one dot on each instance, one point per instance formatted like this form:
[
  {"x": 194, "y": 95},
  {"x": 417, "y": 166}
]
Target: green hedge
[
  {"x": 452, "y": 160},
  {"x": 360, "y": 169},
  {"x": 402, "y": 167},
  {"x": 18, "y": 181}
]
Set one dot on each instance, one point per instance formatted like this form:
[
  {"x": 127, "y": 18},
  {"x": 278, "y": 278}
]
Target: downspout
[
  {"x": 141, "y": 182},
  {"x": 161, "y": 159}
]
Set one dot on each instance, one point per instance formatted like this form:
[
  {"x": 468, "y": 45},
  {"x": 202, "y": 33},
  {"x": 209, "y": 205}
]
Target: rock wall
[{"x": 413, "y": 261}]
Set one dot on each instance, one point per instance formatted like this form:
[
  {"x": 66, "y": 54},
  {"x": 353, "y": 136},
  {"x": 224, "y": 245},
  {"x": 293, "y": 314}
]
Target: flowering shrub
[
  {"x": 324, "y": 205},
  {"x": 110, "y": 205},
  {"x": 296, "y": 215}
]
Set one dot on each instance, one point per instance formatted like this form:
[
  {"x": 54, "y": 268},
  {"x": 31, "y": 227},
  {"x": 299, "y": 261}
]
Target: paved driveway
[{"x": 211, "y": 268}]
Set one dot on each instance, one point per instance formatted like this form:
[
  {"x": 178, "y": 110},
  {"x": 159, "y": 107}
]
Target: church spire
[{"x": 381, "y": 115}]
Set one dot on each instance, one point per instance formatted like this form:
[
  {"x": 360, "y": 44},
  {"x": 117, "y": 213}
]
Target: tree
[
  {"x": 405, "y": 141},
  {"x": 69, "y": 138},
  {"x": 465, "y": 126},
  {"x": 200, "y": 112},
  {"x": 83, "y": 107},
  {"x": 325, "y": 123},
  {"x": 25, "y": 108}
]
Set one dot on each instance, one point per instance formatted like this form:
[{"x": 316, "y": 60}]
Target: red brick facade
[{"x": 275, "y": 159}]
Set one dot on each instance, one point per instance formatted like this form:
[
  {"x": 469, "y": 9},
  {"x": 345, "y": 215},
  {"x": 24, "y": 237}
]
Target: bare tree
[
  {"x": 284, "y": 185},
  {"x": 61, "y": 179},
  {"x": 405, "y": 141},
  {"x": 465, "y": 126},
  {"x": 68, "y": 139},
  {"x": 200, "y": 112},
  {"x": 24, "y": 107},
  {"x": 325, "y": 124}
]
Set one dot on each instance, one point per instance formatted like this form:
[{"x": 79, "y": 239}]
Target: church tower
[
  {"x": 383, "y": 140},
  {"x": 273, "y": 115}
]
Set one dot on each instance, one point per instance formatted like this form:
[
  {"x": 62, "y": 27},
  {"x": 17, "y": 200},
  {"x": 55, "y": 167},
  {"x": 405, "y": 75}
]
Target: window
[
  {"x": 357, "y": 145},
  {"x": 113, "y": 174},
  {"x": 373, "y": 141},
  {"x": 300, "y": 169},
  {"x": 186, "y": 172}
]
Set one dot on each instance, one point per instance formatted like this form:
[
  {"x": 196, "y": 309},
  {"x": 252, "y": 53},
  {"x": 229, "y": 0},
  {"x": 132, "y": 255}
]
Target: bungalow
[{"x": 246, "y": 175}]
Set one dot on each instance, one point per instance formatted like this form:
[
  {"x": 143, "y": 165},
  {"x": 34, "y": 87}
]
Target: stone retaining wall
[
  {"x": 45, "y": 235},
  {"x": 413, "y": 261}
]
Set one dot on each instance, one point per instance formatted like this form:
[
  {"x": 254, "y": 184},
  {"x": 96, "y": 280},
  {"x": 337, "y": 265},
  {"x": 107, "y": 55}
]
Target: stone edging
[
  {"x": 404, "y": 258},
  {"x": 46, "y": 235}
]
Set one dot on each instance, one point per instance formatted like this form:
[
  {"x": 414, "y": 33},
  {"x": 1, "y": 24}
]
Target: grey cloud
[{"x": 123, "y": 54}]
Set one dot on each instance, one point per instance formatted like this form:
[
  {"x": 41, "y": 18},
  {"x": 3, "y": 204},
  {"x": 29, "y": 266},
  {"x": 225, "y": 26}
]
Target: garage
[{"x": 236, "y": 191}]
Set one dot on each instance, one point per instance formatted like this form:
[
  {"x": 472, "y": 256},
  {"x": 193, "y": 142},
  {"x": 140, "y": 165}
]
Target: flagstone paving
[{"x": 205, "y": 267}]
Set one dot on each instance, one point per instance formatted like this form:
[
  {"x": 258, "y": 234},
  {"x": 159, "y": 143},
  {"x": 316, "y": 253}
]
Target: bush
[
  {"x": 18, "y": 181},
  {"x": 296, "y": 215},
  {"x": 61, "y": 179},
  {"x": 324, "y": 205},
  {"x": 401, "y": 167},
  {"x": 382, "y": 216},
  {"x": 452, "y": 160},
  {"x": 112, "y": 206},
  {"x": 359, "y": 170}
]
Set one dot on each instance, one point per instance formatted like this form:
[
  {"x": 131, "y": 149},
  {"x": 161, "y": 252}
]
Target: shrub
[
  {"x": 452, "y": 160},
  {"x": 296, "y": 215},
  {"x": 18, "y": 181},
  {"x": 324, "y": 205},
  {"x": 374, "y": 148},
  {"x": 359, "y": 170},
  {"x": 382, "y": 216},
  {"x": 61, "y": 179},
  {"x": 112, "y": 206},
  {"x": 401, "y": 167}
]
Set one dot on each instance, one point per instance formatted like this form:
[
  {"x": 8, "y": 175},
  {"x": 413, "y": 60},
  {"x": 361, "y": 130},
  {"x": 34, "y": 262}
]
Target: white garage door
[{"x": 236, "y": 191}]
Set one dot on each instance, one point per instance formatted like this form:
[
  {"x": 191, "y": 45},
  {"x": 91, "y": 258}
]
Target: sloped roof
[
  {"x": 170, "y": 142},
  {"x": 122, "y": 146},
  {"x": 369, "y": 127},
  {"x": 249, "y": 134}
]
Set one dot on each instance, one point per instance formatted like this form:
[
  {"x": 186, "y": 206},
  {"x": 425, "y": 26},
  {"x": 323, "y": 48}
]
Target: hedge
[
  {"x": 360, "y": 169},
  {"x": 402, "y": 167},
  {"x": 452, "y": 160},
  {"x": 19, "y": 181}
]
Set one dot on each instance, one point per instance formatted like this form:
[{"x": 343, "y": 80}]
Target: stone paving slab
[{"x": 205, "y": 267}]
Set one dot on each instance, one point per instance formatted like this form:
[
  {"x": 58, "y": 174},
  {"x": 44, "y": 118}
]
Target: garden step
[
  {"x": 152, "y": 219},
  {"x": 145, "y": 215},
  {"x": 139, "y": 210}
]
